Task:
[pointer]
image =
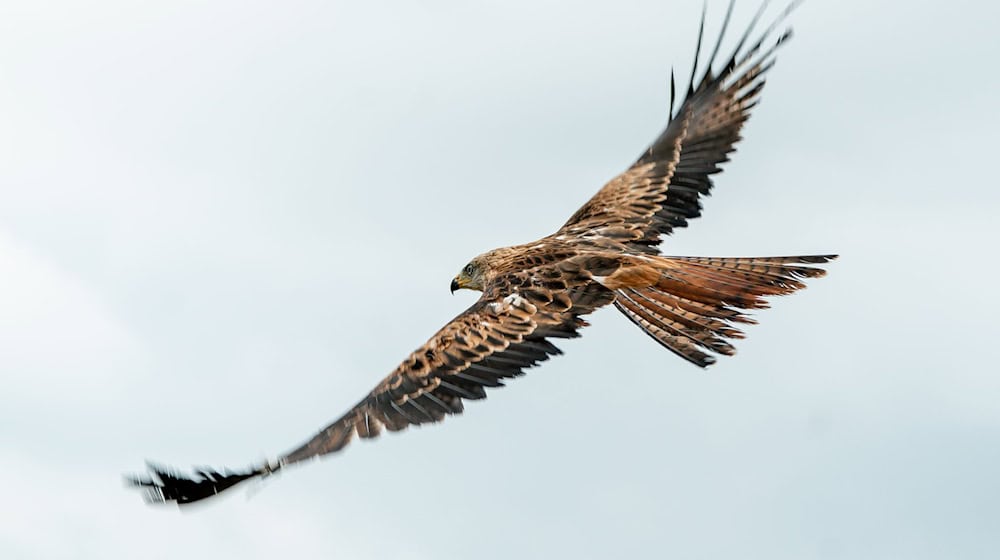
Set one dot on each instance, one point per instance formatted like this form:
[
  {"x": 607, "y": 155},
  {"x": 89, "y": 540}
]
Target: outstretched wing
[
  {"x": 505, "y": 332},
  {"x": 490, "y": 342},
  {"x": 662, "y": 190}
]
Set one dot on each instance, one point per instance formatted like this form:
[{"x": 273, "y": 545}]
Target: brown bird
[{"x": 606, "y": 253}]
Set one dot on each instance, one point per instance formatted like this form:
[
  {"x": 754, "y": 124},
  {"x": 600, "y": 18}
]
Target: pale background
[{"x": 221, "y": 223}]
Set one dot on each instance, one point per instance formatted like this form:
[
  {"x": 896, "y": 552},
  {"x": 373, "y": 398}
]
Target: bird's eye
[{"x": 468, "y": 269}]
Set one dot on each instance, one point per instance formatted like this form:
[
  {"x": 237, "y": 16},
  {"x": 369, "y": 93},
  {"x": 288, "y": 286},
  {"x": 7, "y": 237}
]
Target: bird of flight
[{"x": 605, "y": 254}]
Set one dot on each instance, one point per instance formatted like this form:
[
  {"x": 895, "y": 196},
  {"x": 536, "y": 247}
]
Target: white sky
[{"x": 221, "y": 223}]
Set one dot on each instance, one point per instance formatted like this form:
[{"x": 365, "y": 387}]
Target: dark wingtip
[
  {"x": 673, "y": 93},
  {"x": 697, "y": 49},
  {"x": 164, "y": 485}
]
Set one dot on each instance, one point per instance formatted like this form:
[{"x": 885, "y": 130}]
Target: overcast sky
[{"x": 221, "y": 223}]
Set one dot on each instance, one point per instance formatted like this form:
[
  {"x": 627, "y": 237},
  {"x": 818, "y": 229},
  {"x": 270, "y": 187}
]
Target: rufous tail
[{"x": 695, "y": 305}]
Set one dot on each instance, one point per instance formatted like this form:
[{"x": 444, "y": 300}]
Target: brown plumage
[{"x": 606, "y": 253}]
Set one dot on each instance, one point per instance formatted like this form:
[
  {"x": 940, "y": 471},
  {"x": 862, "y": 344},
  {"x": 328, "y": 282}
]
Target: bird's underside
[{"x": 605, "y": 254}]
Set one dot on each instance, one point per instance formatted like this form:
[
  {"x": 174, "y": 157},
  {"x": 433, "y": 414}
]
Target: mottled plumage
[{"x": 606, "y": 253}]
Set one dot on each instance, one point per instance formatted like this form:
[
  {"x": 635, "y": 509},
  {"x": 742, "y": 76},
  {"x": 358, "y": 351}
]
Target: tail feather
[
  {"x": 657, "y": 328},
  {"x": 702, "y": 309},
  {"x": 702, "y": 338},
  {"x": 693, "y": 307},
  {"x": 704, "y": 329}
]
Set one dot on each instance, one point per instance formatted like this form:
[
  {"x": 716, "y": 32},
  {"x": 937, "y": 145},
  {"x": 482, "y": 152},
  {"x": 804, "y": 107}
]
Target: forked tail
[{"x": 697, "y": 302}]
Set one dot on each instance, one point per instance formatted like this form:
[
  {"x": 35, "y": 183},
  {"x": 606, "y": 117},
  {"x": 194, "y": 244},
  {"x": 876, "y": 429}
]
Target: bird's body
[{"x": 605, "y": 254}]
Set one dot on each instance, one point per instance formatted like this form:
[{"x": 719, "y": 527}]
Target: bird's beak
[{"x": 455, "y": 285}]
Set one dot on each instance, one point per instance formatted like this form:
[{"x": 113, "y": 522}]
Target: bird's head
[{"x": 472, "y": 276}]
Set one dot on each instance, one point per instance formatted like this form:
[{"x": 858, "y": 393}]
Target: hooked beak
[{"x": 454, "y": 285}]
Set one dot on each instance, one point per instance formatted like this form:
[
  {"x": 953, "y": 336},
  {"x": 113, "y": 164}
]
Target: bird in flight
[{"x": 605, "y": 254}]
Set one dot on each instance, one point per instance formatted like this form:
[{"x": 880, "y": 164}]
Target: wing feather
[
  {"x": 663, "y": 189},
  {"x": 496, "y": 339}
]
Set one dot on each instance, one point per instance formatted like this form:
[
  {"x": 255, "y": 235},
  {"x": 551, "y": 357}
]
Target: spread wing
[
  {"x": 494, "y": 340},
  {"x": 662, "y": 190},
  {"x": 501, "y": 335}
]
